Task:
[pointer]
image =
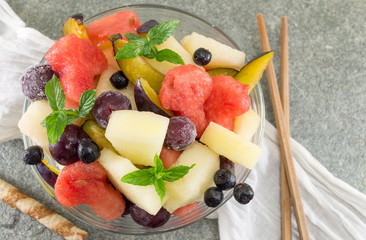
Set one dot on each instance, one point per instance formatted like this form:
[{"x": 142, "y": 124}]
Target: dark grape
[
  {"x": 49, "y": 176},
  {"x": 119, "y": 80},
  {"x": 108, "y": 102},
  {"x": 243, "y": 193},
  {"x": 145, "y": 219},
  {"x": 213, "y": 197},
  {"x": 128, "y": 205},
  {"x": 33, "y": 155},
  {"x": 224, "y": 179},
  {"x": 34, "y": 79},
  {"x": 144, "y": 28},
  {"x": 202, "y": 56},
  {"x": 180, "y": 134},
  {"x": 88, "y": 151},
  {"x": 65, "y": 150},
  {"x": 226, "y": 163}
]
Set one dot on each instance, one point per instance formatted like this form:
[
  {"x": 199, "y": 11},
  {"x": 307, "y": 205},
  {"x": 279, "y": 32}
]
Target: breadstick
[{"x": 60, "y": 225}]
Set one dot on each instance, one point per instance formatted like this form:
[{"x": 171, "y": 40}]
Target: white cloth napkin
[
  {"x": 334, "y": 210},
  {"x": 20, "y": 47}
]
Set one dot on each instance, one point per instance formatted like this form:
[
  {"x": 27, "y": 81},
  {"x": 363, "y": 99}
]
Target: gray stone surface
[{"x": 327, "y": 71}]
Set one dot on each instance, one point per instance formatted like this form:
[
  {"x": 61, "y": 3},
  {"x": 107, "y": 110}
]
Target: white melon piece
[
  {"x": 144, "y": 197},
  {"x": 109, "y": 54},
  {"x": 246, "y": 125},
  {"x": 227, "y": 143},
  {"x": 30, "y": 123},
  {"x": 223, "y": 56},
  {"x": 104, "y": 84},
  {"x": 193, "y": 185},
  {"x": 172, "y": 44},
  {"x": 136, "y": 135}
]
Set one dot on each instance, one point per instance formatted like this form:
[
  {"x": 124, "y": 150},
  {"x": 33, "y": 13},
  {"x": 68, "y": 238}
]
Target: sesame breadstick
[{"x": 55, "y": 222}]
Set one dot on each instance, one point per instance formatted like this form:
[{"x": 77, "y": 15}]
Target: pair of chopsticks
[{"x": 290, "y": 192}]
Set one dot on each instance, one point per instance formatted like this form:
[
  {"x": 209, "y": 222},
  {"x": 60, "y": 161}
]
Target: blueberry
[
  {"x": 243, "y": 193},
  {"x": 119, "y": 80},
  {"x": 88, "y": 151},
  {"x": 224, "y": 179},
  {"x": 144, "y": 28},
  {"x": 33, "y": 155},
  {"x": 202, "y": 56},
  {"x": 213, "y": 197}
]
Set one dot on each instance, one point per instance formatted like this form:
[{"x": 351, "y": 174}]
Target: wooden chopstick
[
  {"x": 283, "y": 136},
  {"x": 53, "y": 221},
  {"x": 286, "y": 227}
]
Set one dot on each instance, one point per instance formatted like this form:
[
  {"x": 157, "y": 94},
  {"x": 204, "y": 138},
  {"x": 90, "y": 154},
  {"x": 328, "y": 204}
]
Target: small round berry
[
  {"x": 119, "y": 80},
  {"x": 213, "y": 197},
  {"x": 88, "y": 151},
  {"x": 33, "y": 155},
  {"x": 224, "y": 179},
  {"x": 202, "y": 56},
  {"x": 243, "y": 193}
]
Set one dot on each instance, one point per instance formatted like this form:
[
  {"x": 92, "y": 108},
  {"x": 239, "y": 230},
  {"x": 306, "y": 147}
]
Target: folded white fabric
[
  {"x": 334, "y": 210},
  {"x": 20, "y": 47}
]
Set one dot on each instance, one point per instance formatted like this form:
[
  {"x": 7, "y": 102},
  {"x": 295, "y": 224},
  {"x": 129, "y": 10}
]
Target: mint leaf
[
  {"x": 156, "y": 176},
  {"x": 132, "y": 36},
  {"x": 55, "y": 94},
  {"x": 141, "y": 177},
  {"x": 175, "y": 173},
  {"x": 159, "y": 167},
  {"x": 132, "y": 49},
  {"x": 161, "y": 32},
  {"x": 86, "y": 103},
  {"x": 140, "y": 46},
  {"x": 55, "y": 124},
  {"x": 170, "y": 56},
  {"x": 160, "y": 188}
]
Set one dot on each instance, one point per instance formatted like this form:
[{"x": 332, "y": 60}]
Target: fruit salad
[{"x": 139, "y": 122}]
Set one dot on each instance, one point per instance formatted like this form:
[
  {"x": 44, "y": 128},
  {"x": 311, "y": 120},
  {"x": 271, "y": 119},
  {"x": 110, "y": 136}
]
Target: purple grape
[
  {"x": 226, "y": 164},
  {"x": 144, "y": 28},
  {"x": 145, "y": 219},
  {"x": 108, "y": 102},
  {"x": 180, "y": 134},
  {"x": 49, "y": 176},
  {"x": 65, "y": 150},
  {"x": 34, "y": 79}
]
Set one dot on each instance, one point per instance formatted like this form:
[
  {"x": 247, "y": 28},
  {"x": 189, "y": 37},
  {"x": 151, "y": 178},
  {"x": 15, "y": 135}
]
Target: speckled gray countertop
[{"x": 327, "y": 41}]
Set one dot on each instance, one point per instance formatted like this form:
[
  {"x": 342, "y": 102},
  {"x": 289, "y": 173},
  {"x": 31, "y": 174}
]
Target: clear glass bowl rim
[{"x": 257, "y": 105}]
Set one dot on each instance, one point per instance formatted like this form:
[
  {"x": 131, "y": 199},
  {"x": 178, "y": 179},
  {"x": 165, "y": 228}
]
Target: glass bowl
[{"x": 188, "y": 24}]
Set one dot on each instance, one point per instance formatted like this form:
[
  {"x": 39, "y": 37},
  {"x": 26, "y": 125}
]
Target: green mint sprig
[
  {"x": 141, "y": 46},
  {"x": 156, "y": 176},
  {"x": 56, "y": 122}
]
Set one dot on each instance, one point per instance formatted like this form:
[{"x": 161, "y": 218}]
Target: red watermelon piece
[
  {"x": 81, "y": 183},
  {"x": 121, "y": 22},
  {"x": 76, "y": 61},
  {"x": 169, "y": 157},
  {"x": 184, "y": 90},
  {"x": 229, "y": 99},
  {"x": 185, "y": 209}
]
